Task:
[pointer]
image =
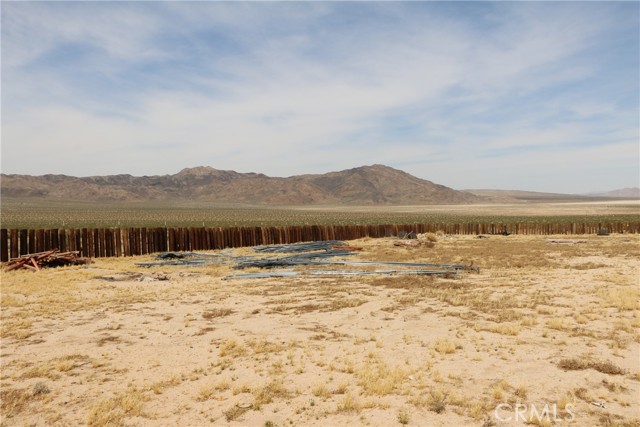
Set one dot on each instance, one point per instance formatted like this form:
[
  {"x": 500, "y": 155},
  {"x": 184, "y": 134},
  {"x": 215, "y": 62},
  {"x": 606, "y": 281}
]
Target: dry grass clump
[
  {"x": 587, "y": 266},
  {"x": 583, "y": 394},
  {"x": 235, "y": 412},
  {"x": 606, "y": 367},
  {"x": 429, "y": 237},
  {"x": 539, "y": 421},
  {"x": 217, "y": 312},
  {"x": 341, "y": 388},
  {"x": 521, "y": 392},
  {"x": 376, "y": 378},
  {"x": 509, "y": 315},
  {"x": 336, "y": 303},
  {"x": 614, "y": 420},
  {"x": 557, "y": 323},
  {"x": 41, "y": 388},
  {"x": 19, "y": 329},
  {"x": 260, "y": 346},
  {"x": 114, "y": 410},
  {"x": 339, "y": 304},
  {"x": 437, "y": 401},
  {"x": 349, "y": 404},
  {"x": 403, "y": 417},
  {"x": 232, "y": 348},
  {"x": 241, "y": 388},
  {"x": 206, "y": 392},
  {"x": 54, "y": 367},
  {"x": 511, "y": 329},
  {"x": 160, "y": 386},
  {"x": 203, "y": 331},
  {"x": 565, "y": 400},
  {"x": 623, "y": 298},
  {"x": 13, "y": 401},
  {"x": 613, "y": 387},
  {"x": 269, "y": 392},
  {"x": 445, "y": 346},
  {"x": 498, "y": 390},
  {"x": 321, "y": 390},
  {"x": 41, "y": 371},
  {"x": 410, "y": 282}
]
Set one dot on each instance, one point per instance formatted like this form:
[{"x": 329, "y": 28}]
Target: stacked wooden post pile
[{"x": 53, "y": 258}]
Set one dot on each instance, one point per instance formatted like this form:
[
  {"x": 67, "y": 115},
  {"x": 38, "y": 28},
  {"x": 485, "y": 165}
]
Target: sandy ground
[{"x": 541, "y": 326}]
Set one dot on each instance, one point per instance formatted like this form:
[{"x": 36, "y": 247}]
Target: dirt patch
[{"x": 540, "y": 324}]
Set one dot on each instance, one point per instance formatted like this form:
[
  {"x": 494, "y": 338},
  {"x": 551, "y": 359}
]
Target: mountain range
[{"x": 365, "y": 185}]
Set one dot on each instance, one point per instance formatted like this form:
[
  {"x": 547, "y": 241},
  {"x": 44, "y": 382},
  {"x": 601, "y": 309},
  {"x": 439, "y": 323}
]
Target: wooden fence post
[{"x": 4, "y": 245}]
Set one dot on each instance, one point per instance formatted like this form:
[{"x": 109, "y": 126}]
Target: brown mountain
[{"x": 366, "y": 185}]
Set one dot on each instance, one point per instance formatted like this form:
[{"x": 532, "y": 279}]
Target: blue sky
[{"x": 539, "y": 96}]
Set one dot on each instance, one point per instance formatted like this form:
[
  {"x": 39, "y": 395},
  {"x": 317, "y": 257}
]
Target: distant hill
[
  {"x": 366, "y": 185},
  {"x": 511, "y": 196},
  {"x": 526, "y": 196},
  {"x": 631, "y": 192}
]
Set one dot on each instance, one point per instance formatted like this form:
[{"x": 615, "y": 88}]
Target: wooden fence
[{"x": 116, "y": 242}]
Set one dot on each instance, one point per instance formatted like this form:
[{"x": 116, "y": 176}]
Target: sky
[{"x": 540, "y": 96}]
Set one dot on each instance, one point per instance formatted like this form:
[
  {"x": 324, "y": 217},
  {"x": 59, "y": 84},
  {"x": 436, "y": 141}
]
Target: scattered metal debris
[
  {"x": 314, "y": 254},
  {"x": 183, "y": 255},
  {"x": 133, "y": 277},
  {"x": 263, "y": 275},
  {"x": 567, "y": 241},
  {"x": 287, "y": 261},
  {"x": 320, "y": 259},
  {"x": 183, "y": 262},
  {"x": 53, "y": 258},
  {"x": 189, "y": 259},
  {"x": 407, "y": 235},
  {"x": 301, "y": 247}
]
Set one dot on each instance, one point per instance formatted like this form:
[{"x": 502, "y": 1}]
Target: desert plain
[{"x": 544, "y": 334}]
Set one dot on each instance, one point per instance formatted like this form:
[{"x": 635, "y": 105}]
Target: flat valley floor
[{"x": 545, "y": 334}]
